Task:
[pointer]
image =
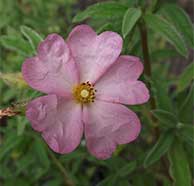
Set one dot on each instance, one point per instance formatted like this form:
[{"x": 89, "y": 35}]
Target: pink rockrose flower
[{"x": 87, "y": 82}]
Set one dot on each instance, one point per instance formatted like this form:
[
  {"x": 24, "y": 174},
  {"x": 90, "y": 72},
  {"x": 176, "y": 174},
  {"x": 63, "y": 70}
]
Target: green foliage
[
  {"x": 163, "y": 54},
  {"x": 187, "y": 132},
  {"x": 130, "y": 19},
  {"x": 17, "y": 44},
  {"x": 101, "y": 10},
  {"x": 168, "y": 31},
  {"x": 160, "y": 91},
  {"x": 21, "y": 125},
  {"x": 186, "y": 108},
  {"x": 159, "y": 149},
  {"x": 167, "y": 119},
  {"x": 109, "y": 181},
  {"x": 14, "y": 80},
  {"x": 184, "y": 80},
  {"x": 33, "y": 37},
  {"x": 179, "y": 18},
  {"x": 11, "y": 141},
  {"x": 42, "y": 154},
  {"x": 166, "y": 139},
  {"x": 179, "y": 167},
  {"x": 127, "y": 169}
]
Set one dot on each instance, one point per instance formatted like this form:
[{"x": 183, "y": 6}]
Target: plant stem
[
  {"x": 146, "y": 57},
  {"x": 144, "y": 43},
  {"x": 147, "y": 67},
  {"x": 67, "y": 180}
]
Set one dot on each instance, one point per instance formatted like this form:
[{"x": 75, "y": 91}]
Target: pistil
[{"x": 84, "y": 93}]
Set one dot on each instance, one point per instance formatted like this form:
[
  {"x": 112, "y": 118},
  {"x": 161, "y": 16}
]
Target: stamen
[{"x": 84, "y": 93}]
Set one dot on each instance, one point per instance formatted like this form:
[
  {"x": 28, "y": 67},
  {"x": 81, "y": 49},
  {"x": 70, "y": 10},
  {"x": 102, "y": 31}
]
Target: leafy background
[{"x": 163, "y": 153}]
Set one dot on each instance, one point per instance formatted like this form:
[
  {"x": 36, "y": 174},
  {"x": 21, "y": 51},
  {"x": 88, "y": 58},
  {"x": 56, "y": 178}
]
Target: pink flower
[{"x": 87, "y": 82}]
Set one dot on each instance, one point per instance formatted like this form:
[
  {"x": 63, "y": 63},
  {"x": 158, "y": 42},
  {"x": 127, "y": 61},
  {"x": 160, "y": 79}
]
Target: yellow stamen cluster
[{"x": 84, "y": 93}]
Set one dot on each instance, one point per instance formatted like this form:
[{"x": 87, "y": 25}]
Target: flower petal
[
  {"x": 109, "y": 124},
  {"x": 59, "y": 120},
  {"x": 52, "y": 70},
  {"x": 119, "y": 84},
  {"x": 94, "y": 54}
]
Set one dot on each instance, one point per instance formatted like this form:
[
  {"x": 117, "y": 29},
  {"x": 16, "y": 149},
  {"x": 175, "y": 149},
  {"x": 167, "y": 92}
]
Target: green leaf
[
  {"x": 17, "y": 182},
  {"x": 168, "y": 31},
  {"x": 163, "y": 54},
  {"x": 101, "y": 10},
  {"x": 21, "y": 124},
  {"x": 41, "y": 151},
  {"x": 113, "y": 180},
  {"x": 186, "y": 77},
  {"x": 33, "y": 37},
  {"x": 166, "y": 118},
  {"x": 186, "y": 109},
  {"x": 127, "y": 169},
  {"x": 154, "y": 5},
  {"x": 166, "y": 181},
  {"x": 14, "y": 80},
  {"x": 147, "y": 179},
  {"x": 159, "y": 149},
  {"x": 54, "y": 182},
  {"x": 23, "y": 163},
  {"x": 119, "y": 172},
  {"x": 16, "y": 44},
  {"x": 131, "y": 17},
  {"x": 123, "y": 182},
  {"x": 160, "y": 91},
  {"x": 105, "y": 27},
  {"x": 179, "y": 166},
  {"x": 108, "y": 181},
  {"x": 10, "y": 142},
  {"x": 180, "y": 19},
  {"x": 187, "y": 134}
]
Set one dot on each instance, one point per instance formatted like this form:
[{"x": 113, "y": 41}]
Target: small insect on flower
[{"x": 87, "y": 81}]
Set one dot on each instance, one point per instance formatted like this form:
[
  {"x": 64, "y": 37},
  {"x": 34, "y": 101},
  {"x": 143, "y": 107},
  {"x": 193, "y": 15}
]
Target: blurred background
[{"x": 25, "y": 159}]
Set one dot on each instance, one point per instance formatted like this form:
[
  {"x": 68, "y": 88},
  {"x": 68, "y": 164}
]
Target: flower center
[{"x": 84, "y": 93}]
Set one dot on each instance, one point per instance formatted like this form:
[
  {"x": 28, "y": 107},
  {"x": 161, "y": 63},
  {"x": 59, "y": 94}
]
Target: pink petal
[
  {"x": 59, "y": 120},
  {"x": 52, "y": 70},
  {"x": 119, "y": 84},
  {"x": 107, "y": 125},
  {"x": 94, "y": 54}
]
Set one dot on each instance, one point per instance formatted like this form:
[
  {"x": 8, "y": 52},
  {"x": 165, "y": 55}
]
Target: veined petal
[
  {"x": 59, "y": 120},
  {"x": 93, "y": 53},
  {"x": 53, "y": 70},
  {"x": 107, "y": 125},
  {"x": 119, "y": 84}
]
